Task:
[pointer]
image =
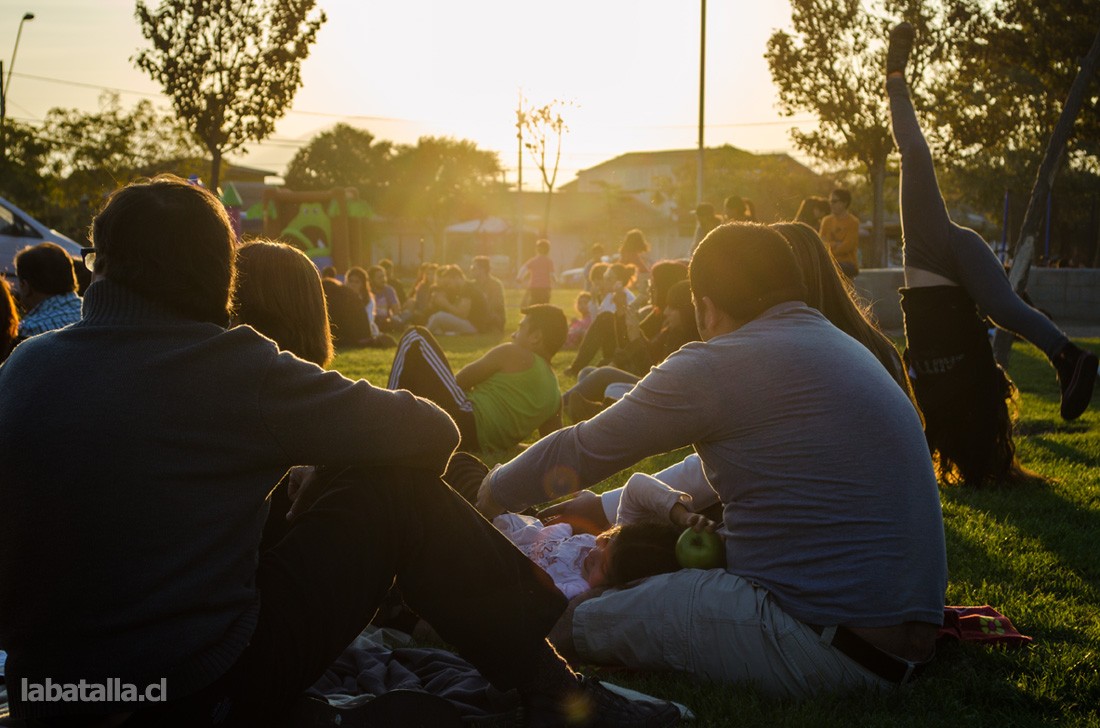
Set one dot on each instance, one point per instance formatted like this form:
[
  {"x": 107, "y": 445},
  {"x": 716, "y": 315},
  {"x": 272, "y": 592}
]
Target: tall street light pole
[
  {"x": 702, "y": 87},
  {"x": 7, "y": 84}
]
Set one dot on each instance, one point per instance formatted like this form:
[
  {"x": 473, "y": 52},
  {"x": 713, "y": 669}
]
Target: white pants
[
  {"x": 442, "y": 322},
  {"x": 716, "y": 626}
]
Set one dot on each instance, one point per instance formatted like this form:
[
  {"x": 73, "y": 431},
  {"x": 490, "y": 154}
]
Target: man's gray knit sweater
[{"x": 137, "y": 450}]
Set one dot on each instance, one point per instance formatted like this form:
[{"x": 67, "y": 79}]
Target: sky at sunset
[{"x": 407, "y": 68}]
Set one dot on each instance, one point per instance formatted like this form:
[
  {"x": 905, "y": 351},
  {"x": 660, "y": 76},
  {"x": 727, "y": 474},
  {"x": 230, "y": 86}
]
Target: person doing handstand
[{"x": 950, "y": 273}]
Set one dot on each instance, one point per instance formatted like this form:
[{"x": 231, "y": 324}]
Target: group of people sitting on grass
[{"x": 228, "y": 515}]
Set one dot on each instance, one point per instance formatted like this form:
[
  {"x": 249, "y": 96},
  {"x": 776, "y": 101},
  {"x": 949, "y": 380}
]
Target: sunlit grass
[{"x": 1031, "y": 552}]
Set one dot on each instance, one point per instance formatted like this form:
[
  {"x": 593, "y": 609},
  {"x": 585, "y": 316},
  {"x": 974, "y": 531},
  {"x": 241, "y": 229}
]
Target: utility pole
[
  {"x": 519, "y": 182},
  {"x": 4, "y": 85},
  {"x": 702, "y": 87}
]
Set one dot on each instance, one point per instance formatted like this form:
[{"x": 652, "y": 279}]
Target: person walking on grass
[
  {"x": 538, "y": 274},
  {"x": 951, "y": 274}
]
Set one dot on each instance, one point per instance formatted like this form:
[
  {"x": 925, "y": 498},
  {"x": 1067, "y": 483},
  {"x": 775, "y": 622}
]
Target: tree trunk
[
  {"x": 879, "y": 255},
  {"x": 215, "y": 170},
  {"x": 1044, "y": 181},
  {"x": 546, "y": 213}
]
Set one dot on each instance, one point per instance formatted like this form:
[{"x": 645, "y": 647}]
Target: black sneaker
[
  {"x": 594, "y": 706},
  {"x": 901, "y": 44},
  {"x": 1077, "y": 375}
]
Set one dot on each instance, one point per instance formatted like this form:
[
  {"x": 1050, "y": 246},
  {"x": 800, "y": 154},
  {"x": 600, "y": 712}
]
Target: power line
[{"x": 393, "y": 119}]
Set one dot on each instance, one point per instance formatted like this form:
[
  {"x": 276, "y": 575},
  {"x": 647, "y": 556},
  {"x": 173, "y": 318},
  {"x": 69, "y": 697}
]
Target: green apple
[{"x": 700, "y": 550}]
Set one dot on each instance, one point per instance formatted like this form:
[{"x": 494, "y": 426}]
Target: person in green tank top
[{"x": 499, "y": 399}]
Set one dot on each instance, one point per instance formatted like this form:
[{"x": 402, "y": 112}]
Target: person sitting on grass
[
  {"x": 836, "y": 558},
  {"x": 278, "y": 293},
  {"x": 159, "y": 545},
  {"x": 457, "y": 306},
  {"x": 499, "y": 399},
  {"x": 827, "y": 289},
  {"x": 481, "y": 275},
  {"x": 597, "y": 387},
  {"x": 47, "y": 289},
  {"x": 580, "y": 322},
  {"x": 616, "y": 297}
]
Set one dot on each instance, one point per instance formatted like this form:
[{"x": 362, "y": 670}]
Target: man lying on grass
[
  {"x": 836, "y": 563},
  {"x": 133, "y": 558}
]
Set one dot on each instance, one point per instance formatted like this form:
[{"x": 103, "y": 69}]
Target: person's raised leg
[
  {"x": 933, "y": 243},
  {"x": 421, "y": 367},
  {"x": 925, "y": 224},
  {"x": 597, "y": 337}
]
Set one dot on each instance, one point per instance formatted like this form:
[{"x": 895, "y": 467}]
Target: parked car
[{"x": 18, "y": 230}]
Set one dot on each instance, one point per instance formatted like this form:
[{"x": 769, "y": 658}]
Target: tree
[
  {"x": 93, "y": 153},
  {"x": 231, "y": 67},
  {"x": 343, "y": 156},
  {"x": 439, "y": 181},
  {"x": 542, "y": 130},
  {"x": 833, "y": 66},
  {"x": 24, "y": 172},
  {"x": 1001, "y": 93}
]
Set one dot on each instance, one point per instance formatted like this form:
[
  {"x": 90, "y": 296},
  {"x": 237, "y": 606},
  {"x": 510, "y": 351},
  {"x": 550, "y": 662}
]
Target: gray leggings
[{"x": 933, "y": 243}]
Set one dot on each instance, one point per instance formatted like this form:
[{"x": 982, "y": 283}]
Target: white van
[{"x": 18, "y": 230}]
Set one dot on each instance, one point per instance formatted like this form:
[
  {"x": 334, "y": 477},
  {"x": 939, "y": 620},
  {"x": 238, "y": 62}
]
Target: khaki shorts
[{"x": 716, "y": 626}]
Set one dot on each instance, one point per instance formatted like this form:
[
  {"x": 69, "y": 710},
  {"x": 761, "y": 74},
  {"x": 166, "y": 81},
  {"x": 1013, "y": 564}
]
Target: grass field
[{"x": 1031, "y": 552}]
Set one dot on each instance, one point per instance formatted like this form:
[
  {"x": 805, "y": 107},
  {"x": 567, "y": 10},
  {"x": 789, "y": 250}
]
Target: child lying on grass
[{"x": 641, "y": 542}]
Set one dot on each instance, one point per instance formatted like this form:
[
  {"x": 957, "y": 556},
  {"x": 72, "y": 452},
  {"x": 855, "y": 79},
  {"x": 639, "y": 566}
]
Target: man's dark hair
[
  {"x": 551, "y": 321},
  {"x": 843, "y": 195},
  {"x": 482, "y": 262},
  {"x": 171, "y": 242},
  {"x": 745, "y": 269},
  {"x": 47, "y": 268}
]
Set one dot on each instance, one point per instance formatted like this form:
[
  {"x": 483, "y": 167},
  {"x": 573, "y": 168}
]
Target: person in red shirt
[{"x": 538, "y": 272}]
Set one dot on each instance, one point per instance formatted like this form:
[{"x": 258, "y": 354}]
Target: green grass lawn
[{"x": 1031, "y": 552}]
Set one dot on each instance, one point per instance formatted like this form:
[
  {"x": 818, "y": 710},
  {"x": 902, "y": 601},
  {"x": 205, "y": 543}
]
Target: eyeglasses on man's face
[{"x": 88, "y": 256}]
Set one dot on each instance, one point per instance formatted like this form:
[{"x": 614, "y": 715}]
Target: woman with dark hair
[
  {"x": 279, "y": 294},
  {"x": 950, "y": 272},
  {"x": 831, "y": 293},
  {"x": 9, "y": 320},
  {"x": 364, "y": 313},
  {"x": 739, "y": 209},
  {"x": 601, "y": 335},
  {"x": 641, "y": 351},
  {"x": 633, "y": 251},
  {"x": 811, "y": 211}
]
